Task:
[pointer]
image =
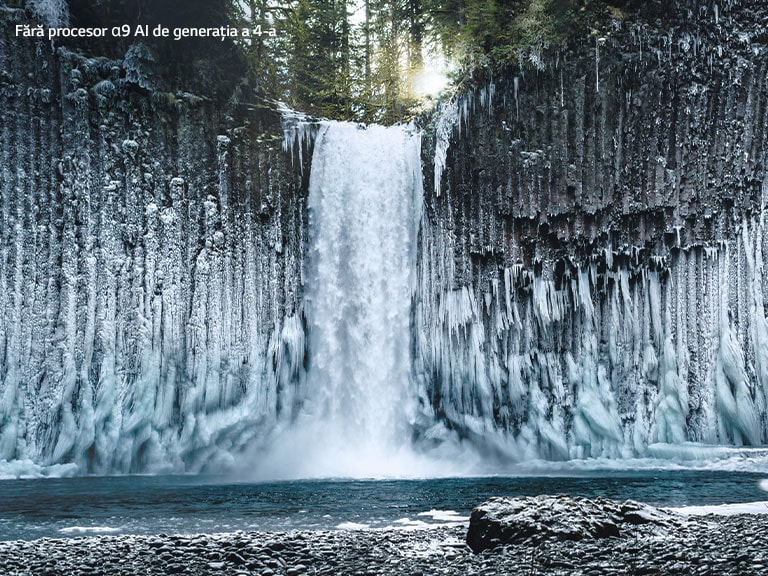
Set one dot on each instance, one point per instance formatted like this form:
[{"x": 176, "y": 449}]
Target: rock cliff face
[
  {"x": 593, "y": 251},
  {"x": 590, "y": 263},
  {"x": 150, "y": 263}
]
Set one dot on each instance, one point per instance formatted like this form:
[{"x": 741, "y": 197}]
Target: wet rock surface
[
  {"x": 534, "y": 519},
  {"x": 735, "y": 545}
]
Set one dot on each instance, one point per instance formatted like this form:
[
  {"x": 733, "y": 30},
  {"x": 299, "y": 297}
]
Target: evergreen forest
[{"x": 363, "y": 60}]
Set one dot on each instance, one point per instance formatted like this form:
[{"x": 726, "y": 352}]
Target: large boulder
[{"x": 532, "y": 519}]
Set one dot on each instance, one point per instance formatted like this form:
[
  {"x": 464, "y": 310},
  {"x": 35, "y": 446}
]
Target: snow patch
[{"x": 723, "y": 509}]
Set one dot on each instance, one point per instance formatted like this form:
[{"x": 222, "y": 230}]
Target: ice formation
[
  {"x": 530, "y": 347},
  {"x": 601, "y": 362},
  {"x": 149, "y": 299},
  {"x": 585, "y": 278},
  {"x": 53, "y": 13}
]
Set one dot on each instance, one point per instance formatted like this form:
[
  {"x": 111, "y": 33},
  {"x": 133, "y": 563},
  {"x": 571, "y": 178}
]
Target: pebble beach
[{"x": 702, "y": 545}]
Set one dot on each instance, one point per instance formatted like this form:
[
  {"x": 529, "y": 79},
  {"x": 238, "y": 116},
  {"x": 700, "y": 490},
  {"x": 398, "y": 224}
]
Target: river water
[{"x": 66, "y": 507}]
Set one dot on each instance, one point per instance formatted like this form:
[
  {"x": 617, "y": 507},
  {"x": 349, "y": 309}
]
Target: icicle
[
  {"x": 597, "y": 66},
  {"x": 297, "y": 132},
  {"x": 491, "y": 94},
  {"x": 447, "y": 122},
  {"x": 516, "y": 84}
]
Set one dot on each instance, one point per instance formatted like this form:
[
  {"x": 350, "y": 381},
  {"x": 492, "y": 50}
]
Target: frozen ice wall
[
  {"x": 600, "y": 360},
  {"x": 150, "y": 267},
  {"x": 52, "y": 13},
  {"x": 583, "y": 273},
  {"x": 592, "y": 267}
]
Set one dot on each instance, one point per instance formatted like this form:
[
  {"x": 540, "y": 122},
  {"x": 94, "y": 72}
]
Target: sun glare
[{"x": 429, "y": 82}]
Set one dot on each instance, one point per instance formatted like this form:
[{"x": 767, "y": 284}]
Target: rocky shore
[{"x": 705, "y": 545}]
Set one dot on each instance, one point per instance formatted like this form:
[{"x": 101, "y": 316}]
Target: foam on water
[
  {"x": 353, "y": 526},
  {"x": 449, "y": 516},
  {"x": 78, "y": 530},
  {"x": 439, "y": 518},
  {"x": 444, "y": 518},
  {"x": 408, "y": 524}
]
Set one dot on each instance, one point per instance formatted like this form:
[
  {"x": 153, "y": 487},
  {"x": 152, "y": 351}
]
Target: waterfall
[
  {"x": 364, "y": 202},
  {"x": 585, "y": 280},
  {"x": 354, "y": 412}
]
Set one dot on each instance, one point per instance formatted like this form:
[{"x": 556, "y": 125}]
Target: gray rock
[
  {"x": 707, "y": 546},
  {"x": 235, "y": 559},
  {"x": 503, "y": 520}
]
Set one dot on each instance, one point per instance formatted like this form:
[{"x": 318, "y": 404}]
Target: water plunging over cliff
[
  {"x": 355, "y": 406},
  {"x": 365, "y": 203}
]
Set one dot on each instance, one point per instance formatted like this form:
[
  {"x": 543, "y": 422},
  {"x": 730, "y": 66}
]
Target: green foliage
[
  {"x": 495, "y": 33},
  {"x": 319, "y": 57},
  {"x": 355, "y": 59}
]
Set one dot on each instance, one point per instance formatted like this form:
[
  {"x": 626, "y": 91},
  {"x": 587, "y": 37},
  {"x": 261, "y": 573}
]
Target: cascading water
[
  {"x": 357, "y": 404},
  {"x": 588, "y": 280},
  {"x": 365, "y": 202}
]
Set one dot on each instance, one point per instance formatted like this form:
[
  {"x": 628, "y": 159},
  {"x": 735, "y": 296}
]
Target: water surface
[{"x": 62, "y": 507}]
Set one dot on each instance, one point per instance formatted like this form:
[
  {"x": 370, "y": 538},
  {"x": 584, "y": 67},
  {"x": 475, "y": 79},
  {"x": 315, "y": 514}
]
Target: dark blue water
[{"x": 60, "y": 507}]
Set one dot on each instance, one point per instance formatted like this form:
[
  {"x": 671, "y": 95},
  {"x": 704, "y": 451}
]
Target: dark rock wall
[
  {"x": 150, "y": 264},
  {"x": 592, "y": 267}
]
